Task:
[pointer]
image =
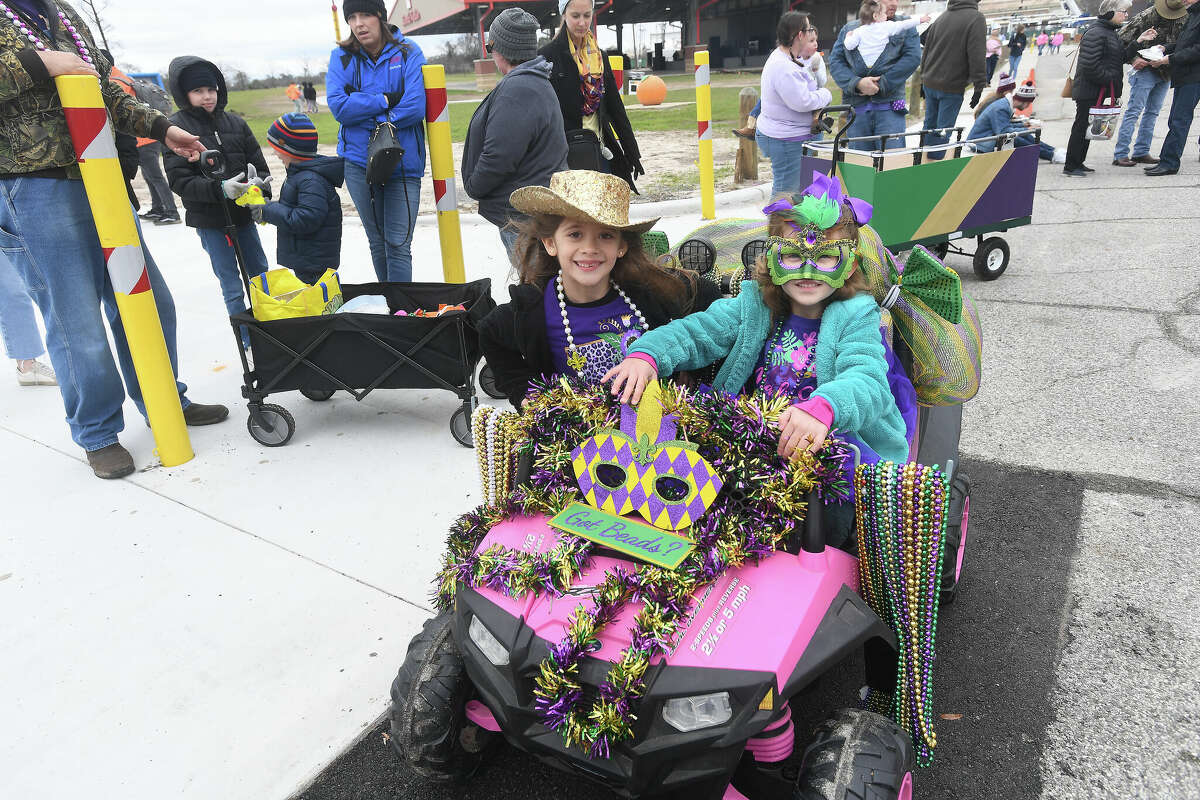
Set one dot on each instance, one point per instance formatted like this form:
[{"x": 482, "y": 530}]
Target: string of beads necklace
[
  {"x": 495, "y": 450},
  {"x": 36, "y": 41},
  {"x": 575, "y": 360}
]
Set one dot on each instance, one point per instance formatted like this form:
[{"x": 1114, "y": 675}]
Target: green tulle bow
[{"x": 932, "y": 282}]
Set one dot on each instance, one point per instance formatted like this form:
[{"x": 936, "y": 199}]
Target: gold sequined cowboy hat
[{"x": 583, "y": 195}]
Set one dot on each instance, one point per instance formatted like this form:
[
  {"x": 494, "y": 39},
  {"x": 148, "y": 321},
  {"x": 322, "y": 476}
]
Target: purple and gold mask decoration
[
  {"x": 642, "y": 467},
  {"x": 818, "y": 208}
]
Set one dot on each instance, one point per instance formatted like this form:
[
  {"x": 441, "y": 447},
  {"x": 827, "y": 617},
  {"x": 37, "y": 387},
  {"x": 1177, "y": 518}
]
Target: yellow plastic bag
[{"x": 279, "y": 294}]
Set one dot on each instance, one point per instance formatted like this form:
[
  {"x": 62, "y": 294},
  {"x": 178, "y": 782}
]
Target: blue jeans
[
  {"x": 876, "y": 123},
  {"x": 1146, "y": 93},
  {"x": 63, "y": 269},
  {"x": 18, "y": 326},
  {"x": 225, "y": 267},
  {"x": 941, "y": 111},
  {"x": 785, "y": 163},
  {"x": 1183, "y": 108},
  {"x": 395, "y": 214},
  {"x": 509, "y": 236},
  {"x": 1013, "y": 63}
]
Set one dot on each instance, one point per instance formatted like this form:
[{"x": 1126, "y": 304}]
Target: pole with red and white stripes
[
  {"x": 441, "y": 164},
  {"x": 708, "y": 205}
]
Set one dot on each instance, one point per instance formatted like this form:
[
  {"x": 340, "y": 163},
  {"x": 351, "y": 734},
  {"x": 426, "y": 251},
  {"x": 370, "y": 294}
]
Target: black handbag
[
  {"x": 583, "y": 150},
  {"x": 383, "y": 154}
]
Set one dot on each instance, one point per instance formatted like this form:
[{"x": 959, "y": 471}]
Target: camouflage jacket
[
  {"x": 1168, "y": 33},
  {"x": 33, "y": 129}
]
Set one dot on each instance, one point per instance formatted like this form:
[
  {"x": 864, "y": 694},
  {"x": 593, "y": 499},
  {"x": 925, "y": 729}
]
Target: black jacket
[
  {"x": 1101, "y": 63},
  {"x": 515, "y": 139},
  {"x": 953, "y": 56},
  {"x": 127, "y": 156},
  {"x": 309, "y": 215},
  {"x": 565, "y": 80},
  {"x": 514, "y": 340},
  {"x": 1016, "y": 44},
  {"x": 219, "y": 130},
  {"x": 1185, "y": 54}
]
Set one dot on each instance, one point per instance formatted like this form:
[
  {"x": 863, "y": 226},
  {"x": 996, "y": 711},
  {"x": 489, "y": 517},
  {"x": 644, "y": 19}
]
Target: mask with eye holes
[{"x": 643, "y": 468}]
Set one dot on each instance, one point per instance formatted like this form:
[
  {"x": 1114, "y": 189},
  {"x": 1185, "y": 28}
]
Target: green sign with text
[{"x": 624, "y": 535}]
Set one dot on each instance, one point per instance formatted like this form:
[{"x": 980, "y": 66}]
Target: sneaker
[
  {"x": 150, "y": 215},
  {"x": 1075, "y": 173},
  {"x": 168, "y": 219},
  {"x": 110, "y": 462},
  {"x": 1086, "y": 168},
  {"x": 1060, "y": 156},
  {"x": 199, "y": 414},
  {"x": 38, "y": 374}
]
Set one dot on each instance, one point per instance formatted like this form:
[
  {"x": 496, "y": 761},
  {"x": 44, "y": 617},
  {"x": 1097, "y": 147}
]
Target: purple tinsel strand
[
  {"x": 599, "y": 748},
  {"x": 555, "y": 713}
]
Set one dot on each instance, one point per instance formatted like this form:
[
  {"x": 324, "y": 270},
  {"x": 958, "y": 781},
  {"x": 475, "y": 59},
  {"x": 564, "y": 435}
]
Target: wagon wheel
[
  {"x": 271, "y": 425},
  {"x": 460, "y": 427},
  {"x": 991, "y": 258},
  {"x": 487, "y": 382},
  {"x": 317, "y": 395},
  {"x": 941, "y": 250}
]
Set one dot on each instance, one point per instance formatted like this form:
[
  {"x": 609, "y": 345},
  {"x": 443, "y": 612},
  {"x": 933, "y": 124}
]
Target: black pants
[
  {"x": 150, "y": 160},
  {"x": 1077, "y": 145},
  {"x": 991, "y": 66}
]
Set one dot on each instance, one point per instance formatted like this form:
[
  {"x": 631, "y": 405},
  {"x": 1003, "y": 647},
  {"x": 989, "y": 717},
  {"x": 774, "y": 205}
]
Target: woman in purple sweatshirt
[{"x": 790, "y": 93}]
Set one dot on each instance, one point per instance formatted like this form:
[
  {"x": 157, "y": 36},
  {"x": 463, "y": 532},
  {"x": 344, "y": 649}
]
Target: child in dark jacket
[
  {"x": 309, "y": 211},
  {"x": 199, "y": 90}
]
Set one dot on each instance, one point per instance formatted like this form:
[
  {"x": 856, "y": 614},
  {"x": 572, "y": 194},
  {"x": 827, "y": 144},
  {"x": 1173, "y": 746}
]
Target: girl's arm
[
  {"x": 497, "y": 335},
  {"x": 853, "y": 38},
  {"x": 860, "y": 392},
  {"x": 798, "y": 94}
]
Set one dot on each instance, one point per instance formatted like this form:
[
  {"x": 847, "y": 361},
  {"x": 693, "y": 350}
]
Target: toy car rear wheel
[
  {"x": 430, "y": 731},
  {"x": 318, "y": 395},
  {"x": 487, "y": 382},
  {"x": 856, "y": 755},
  {"x": 991, "y": 258},
  {"x": 958, "y": 517},
  {"x": 273, "y": 426}
]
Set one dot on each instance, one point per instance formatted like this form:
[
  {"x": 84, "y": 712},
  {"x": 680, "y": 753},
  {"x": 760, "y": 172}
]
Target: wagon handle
[{"x": 825, "y": 123}]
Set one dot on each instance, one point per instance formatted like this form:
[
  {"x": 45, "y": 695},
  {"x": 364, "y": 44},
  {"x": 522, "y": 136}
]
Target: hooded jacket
[
  {"x": 1101, "y": 63},
  {"x": 565, "y": 79},
  {"x": 34, "y": 139},
  {"x": 355, "y": 91},
  {"x": 955, "y": 53},
  {"x": 515, "y": 139},
  {"x": 202, "y": 197},
  {"x": 309, "y": 215},
  {"x": 898, "y": 61},
  {"x": 1185, "y": 53}
]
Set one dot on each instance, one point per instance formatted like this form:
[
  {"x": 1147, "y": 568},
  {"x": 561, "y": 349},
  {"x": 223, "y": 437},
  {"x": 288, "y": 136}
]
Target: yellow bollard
[
  {"x": 708, "y": 204},
  {"x": 617, "y": 64},
  {"x": 441, "y": 164},
  {"x": 337, "y": 25},
  {"x": 92, "y": 136}
]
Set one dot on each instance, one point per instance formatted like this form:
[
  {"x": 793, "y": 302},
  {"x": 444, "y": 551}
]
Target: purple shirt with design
[{"x": 603, "y": 331}]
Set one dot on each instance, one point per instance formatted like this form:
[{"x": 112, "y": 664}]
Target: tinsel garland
[
  {"x": 761, "y": 505},
  {"x": 901, "y": 516}
]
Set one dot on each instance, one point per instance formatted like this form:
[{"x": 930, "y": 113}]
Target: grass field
[{"x": 260, "y": 107}]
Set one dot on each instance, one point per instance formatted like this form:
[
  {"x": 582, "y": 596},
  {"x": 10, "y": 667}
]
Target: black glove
[
  {"x": 975, "y": 97},
  {"x": 393, "y": 98},
  {"x": 638, "y": 171}
]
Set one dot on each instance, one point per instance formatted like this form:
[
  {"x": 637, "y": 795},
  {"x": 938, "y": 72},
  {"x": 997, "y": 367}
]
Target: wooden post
[
  {"x": 914, "y": 96},
  {"x": 745, "y": 166}
]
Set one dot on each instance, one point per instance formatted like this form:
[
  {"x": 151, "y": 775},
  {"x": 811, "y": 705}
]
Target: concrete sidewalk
[{"x": 223, "y": 629}]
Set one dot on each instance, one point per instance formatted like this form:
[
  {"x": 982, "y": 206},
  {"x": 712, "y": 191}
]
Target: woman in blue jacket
[{"x": 375, "y": 76}]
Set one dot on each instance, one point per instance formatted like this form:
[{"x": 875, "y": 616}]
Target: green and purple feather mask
[{"x": 817, "y": 259}]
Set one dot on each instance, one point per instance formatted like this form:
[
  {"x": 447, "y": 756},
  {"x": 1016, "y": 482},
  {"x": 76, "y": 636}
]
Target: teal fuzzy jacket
[{"x": 851, "y": 363}]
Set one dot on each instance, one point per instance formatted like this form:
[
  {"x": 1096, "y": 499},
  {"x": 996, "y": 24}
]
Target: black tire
[
  {"x": 487, "y": 382},
  {"x": 855, "y": 755},
  {"x": 991, "y": 258},
  {"x": 960, "y": 499},
  {"x": 318, "y": 395},
  {"x": 280, "y": 422},
  {"x": 429, "y": 727},
  {"x": 460, "y": 427},
  {"x": 941, "y": 250}
]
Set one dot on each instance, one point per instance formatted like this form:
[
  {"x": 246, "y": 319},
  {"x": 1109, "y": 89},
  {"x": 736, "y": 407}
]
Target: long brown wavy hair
[
  {"x": 636, "y": 268},
  {"x": 775, "y": 298},
  {"x": 350, "y": 43}
]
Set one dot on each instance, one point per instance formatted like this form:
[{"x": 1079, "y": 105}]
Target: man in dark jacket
[
  {"x": 516, "y": 135},
  {"x": 1098, "y": 71},
  {"x": 1147, "y": 85},
  {"x": 954, "y": 56},
  {"x": 1183, "y": 57},
  {"x": 199, "y": 90}
]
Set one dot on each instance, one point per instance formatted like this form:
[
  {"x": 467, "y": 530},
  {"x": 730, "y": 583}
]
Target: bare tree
[{"x": 95, "y": 9}]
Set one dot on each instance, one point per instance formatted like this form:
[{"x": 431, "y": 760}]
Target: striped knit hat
[{"x": 294, "y": 135}]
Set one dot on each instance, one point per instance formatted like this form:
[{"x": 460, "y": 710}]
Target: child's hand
[
  {"x": 253, "y": 179},
  {"x": 629, "y": 379},
  {"x": 256, "y": 213},
  {"x": 799, "y": 431},
  {"x": 235, "y": 187},
  {"x": 925, "y": 18}
]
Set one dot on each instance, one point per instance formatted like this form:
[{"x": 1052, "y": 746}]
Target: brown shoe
[
  {"x": 1145, "y": 160},
  {"x": 1124, "y": 162},
  {"x": 110, "y": 462},
  {"x": 198, "y": 414},
  {"x": 745, "y": 133}
]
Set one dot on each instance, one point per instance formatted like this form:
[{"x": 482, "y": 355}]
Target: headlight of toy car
[
  {"x": 487, "y": 642},
  {"x": 698, "y": 711}
]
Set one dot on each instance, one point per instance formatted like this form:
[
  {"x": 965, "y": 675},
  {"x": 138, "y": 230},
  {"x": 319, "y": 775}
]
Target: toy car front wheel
[
  {"x": 430, "y": 731},
  {"x": 958, "y": 516},
  {"x": 991, "y": 258},
  {"x": 856, "y": 754},
  {"x": 271, "y": 425}
]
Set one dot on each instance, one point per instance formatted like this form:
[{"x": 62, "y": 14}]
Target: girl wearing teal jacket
[{"x": 807, "y": 328}]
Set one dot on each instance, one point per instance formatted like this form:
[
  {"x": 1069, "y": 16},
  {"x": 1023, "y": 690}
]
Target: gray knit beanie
[{"x": 513, "y": 34}]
